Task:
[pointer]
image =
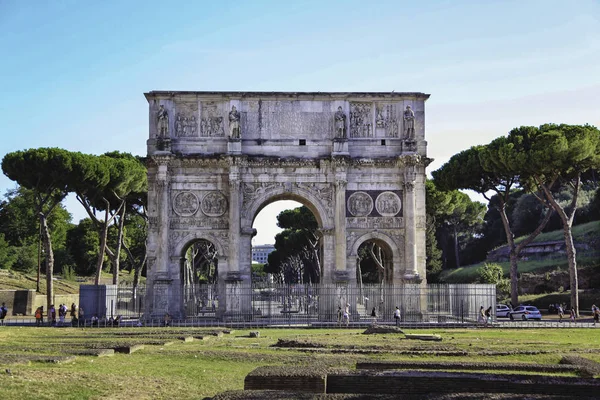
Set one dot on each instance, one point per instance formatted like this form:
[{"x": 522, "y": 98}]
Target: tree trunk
[
  {"x": 49, "y": 260},
  {"x": 456, "y": 256},
  {"x": 567, "y": 222},
  {"x": 117, "y": 258},
  {"x": 102, "y": 250},
  {"x": 572, "y": 259},
  {"x": 39, "y": 259},
  {"x": 359, "y": 278},
  {"x": 514, "y": 280},
  {"x": 138, "y": 273}
]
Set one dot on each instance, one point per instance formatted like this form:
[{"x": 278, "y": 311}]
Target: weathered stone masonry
[{"x": 356, "y": 160}]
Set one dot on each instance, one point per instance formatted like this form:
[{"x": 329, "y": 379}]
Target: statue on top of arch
[
  {"x": 235, "y": 131},
  {"x": 340, "y": 124}
]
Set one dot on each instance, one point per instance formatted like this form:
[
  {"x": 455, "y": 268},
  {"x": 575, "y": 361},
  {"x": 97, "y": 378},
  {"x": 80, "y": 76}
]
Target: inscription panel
[{"x": 286, "y": 119}]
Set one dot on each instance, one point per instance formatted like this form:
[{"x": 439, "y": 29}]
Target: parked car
[
  {"x": 525, "y": 313},
  {"x": 503, "y": 311}
]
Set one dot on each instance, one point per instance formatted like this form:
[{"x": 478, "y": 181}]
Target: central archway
[
  {"x": 297, "y": 255},
  {"x": 310, "y": 196}
]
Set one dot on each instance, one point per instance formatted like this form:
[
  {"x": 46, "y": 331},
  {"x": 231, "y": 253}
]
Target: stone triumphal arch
[{"x": 215, "y": 159}]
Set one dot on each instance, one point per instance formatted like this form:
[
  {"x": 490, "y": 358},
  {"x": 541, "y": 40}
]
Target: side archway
[
  {"x": 199, "y": 297},
  {"x": 387, "y": 243},
  {"x": 182, "y": 244}
]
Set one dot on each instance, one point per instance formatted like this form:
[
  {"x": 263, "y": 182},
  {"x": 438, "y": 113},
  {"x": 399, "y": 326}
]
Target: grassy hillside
[
  {"x": 585, "y": 233},
  {"x": 13, "y": 280}
]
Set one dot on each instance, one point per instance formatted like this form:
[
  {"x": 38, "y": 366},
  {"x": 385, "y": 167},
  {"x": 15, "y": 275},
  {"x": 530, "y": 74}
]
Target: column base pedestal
[
  {"x": 340, "y": 147},
  {"x": 234, "y": 146},
  {"x": 412, "y": 278}
]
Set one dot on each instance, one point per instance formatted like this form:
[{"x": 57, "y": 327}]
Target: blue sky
[{"x": 73, "y": 73}]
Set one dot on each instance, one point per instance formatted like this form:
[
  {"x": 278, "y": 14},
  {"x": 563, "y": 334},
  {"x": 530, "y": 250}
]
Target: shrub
[{"x": 493, "y": 274}]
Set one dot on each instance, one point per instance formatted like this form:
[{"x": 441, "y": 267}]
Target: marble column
[
  {"x": 410, "y": 248},
  {"x": 234, "y": 224},
  {"x": 328, "y": 261},
  {"x": 341, "y": 270},
  {"x": 162, "y": 197},
  {"x": 160, "y": 280}
]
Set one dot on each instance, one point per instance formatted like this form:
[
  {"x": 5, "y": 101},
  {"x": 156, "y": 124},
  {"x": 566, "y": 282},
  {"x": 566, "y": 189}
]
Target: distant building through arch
[{"x": 260, "y": 253}]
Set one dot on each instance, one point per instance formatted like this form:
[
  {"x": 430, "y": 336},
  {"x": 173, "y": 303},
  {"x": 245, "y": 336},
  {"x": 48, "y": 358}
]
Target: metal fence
[{"x": 316, "y": 304}]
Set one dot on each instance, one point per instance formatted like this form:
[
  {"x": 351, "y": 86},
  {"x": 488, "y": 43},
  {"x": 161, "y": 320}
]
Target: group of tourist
[
  {"x": 75, "y": 314},
  {"x": 561, "y": 313},
  {"x": 344, "y": 316},
  {"x": 485, "y": 315}
]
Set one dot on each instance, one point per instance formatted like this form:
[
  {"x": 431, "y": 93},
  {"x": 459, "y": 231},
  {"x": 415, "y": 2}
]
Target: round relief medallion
[
  {"x": 360, "y": 204},
  {"x": 388, "y": 204},
  {"x": 186, "y": 204},
  {"x": 214, "y": 204}
]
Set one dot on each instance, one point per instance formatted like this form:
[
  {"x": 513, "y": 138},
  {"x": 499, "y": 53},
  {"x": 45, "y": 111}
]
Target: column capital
[
  {"x": 326, "y": 231},
  {"x": 341, "y": 183},
  {"x": 248, "y": 231}
]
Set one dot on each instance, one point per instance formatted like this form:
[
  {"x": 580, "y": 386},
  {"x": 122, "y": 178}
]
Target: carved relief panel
[
  {"x": 199, "y": 209},
  {"x": 386, "y": 120},
  {"x": 214, "y": 204},
  {"x": 359, "y": 204},
  {"x": 251, "y": 191},
  {"x": 387, "y": 204},
  {"x": 361, "y": 123},
  {"x": 373, "y": 203},
  {"x": 211, "y": 122},
  {"x": 186, "y": 124},
  {"x": 185, "y": 204}
]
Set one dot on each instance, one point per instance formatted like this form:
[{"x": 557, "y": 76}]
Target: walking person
[
  {"x": 595, "y": 313},
  {"x": 397, "y": 315},
  {"x": 347, "y": 314},
  {"x": 52, "y": 315},
  {"x": 339, "y": 315},
  {"x": 62, "y": 313},
  {"x": 488, "y": 315},
  {"x": 39, "y": 316},
  {"x": 561, "y": 313},
  {"x": 3, "y": 313},
  {"x": 73, "y": 314},
  {"x": 481, "y": 318}
]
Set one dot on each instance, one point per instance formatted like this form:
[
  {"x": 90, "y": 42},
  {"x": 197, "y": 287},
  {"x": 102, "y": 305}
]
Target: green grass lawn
[{"x": 192, "y": 370}]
